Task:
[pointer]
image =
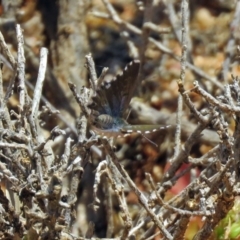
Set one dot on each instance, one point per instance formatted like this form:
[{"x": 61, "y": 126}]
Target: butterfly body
[{"x": 107, "y": 122}]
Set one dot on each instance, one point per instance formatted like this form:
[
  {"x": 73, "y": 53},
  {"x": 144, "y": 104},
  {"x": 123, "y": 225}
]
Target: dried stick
[
  {"x": 38, "y": 92},
  {"x": 190, "y": 104},
  {"x": 184, "y": 153},
  {"x": 13, "y": 65},
  {"x": 21, "y": 69},
  {"x": 39, "y": 84},
  {"x": 92, "y": 72},
  {"x": 142, "y": 199},
  {"x": 114, "y": 16},
  {"x": 60, "y": 116},
  {"x": 182, "y": 77},
  {"x": 230, "y": 47},
  {"x": 7, "y": 53},
  {"x": 224, "y": 107}
]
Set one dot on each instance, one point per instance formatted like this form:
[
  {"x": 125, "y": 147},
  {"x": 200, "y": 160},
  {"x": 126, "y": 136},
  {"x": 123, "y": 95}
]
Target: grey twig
[
  {"x": 21, "y": 68},
  {"x": 39, "y": 84},
  {"x": 113, "y": 15},
  {"x": 142, "y": 199},
  {"x": 224, "y": 107},
  {"x": 231, "y": 45},
  {"x": 184, "y": 42},
  {"x": 92, "y": 72},
  {"x": 38, "y": 91}
]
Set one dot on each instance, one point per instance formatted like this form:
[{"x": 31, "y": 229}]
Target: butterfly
[{"x": 110, "y": 102}]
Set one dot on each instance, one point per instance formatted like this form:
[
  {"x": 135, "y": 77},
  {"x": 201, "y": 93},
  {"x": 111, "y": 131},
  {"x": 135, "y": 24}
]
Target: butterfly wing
[
  {"x": 111, "y": 101},
  {"x": 113, "y": 98},
  {"x": 127, "y": 129},
  {"x": 143, "y": 129}
]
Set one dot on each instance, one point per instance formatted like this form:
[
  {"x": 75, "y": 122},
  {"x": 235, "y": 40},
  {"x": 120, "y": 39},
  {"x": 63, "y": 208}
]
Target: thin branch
[
  {"x": 21, "y": 68},
  {"x": 182, "y": 76}
]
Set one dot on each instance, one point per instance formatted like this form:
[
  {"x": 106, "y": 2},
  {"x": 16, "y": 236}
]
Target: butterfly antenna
[
  {"x": 153, "y": 143},
  {"x": 128, "y": 114}
]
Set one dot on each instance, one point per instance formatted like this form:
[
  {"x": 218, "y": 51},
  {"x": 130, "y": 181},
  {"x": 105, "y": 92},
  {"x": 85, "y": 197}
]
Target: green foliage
[{"x": 229, "y": 227}]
